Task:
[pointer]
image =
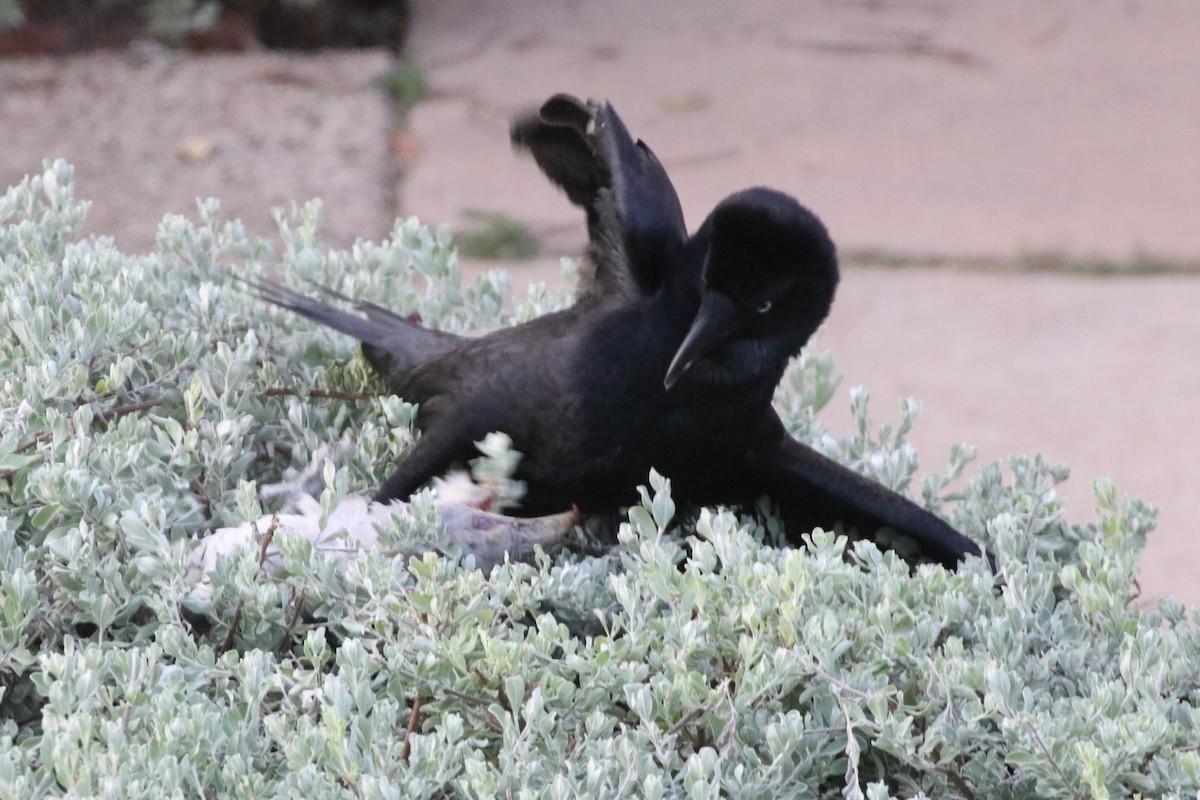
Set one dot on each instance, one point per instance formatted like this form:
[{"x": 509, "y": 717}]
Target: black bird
[{"x": 668, "y": 359}]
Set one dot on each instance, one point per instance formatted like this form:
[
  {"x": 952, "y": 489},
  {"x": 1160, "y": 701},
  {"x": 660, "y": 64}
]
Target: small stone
[{"x": 195, "y": 148}]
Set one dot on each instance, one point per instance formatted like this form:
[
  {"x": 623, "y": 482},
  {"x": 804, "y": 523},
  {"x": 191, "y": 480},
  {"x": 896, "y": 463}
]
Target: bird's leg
[{"x": 435, "y": 452}]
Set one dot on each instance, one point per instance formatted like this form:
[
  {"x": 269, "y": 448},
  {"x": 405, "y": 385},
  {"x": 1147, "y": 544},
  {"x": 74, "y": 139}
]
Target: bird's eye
[
  {"x": 482, "y": 523},
  {"x": 763, "y": 307}
]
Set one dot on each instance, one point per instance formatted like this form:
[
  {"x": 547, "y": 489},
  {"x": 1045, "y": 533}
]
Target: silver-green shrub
[{"x": 143, "y": 397}]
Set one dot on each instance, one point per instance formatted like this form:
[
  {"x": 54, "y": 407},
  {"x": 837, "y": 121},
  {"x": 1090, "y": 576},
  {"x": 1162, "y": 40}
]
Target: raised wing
[{"x": 635, "y": 223}]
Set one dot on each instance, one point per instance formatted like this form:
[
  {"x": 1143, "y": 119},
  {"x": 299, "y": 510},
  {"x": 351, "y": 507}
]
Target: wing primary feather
[{"x": 812, "y": 490}]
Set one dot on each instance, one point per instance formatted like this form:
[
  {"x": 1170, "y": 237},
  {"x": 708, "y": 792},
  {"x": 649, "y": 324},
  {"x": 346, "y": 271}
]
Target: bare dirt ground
[{"x": 1023, "y": 131}]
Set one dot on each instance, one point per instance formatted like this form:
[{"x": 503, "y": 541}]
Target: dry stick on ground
[{"x": 901, "y": 43}]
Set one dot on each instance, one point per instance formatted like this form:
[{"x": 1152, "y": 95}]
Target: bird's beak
[{"x": 714, "y": 321}]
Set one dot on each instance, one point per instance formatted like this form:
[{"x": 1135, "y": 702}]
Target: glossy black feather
[
  {"x": 635, "y": 222},
  {"x": 394, "y": 345},
  {"x": 812, "y": 490}
]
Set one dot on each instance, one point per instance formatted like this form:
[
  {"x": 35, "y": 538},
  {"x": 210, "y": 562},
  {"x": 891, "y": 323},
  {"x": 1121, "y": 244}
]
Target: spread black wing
[{"x": 814, "y": 491}]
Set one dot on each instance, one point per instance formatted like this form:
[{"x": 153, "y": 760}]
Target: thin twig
[
  {"x": 234, "y": 624},
  {"x": 267, "y": 538},
  {"x": 482, "y": 702},
  {"x": 1050, "y": 757},
  {"x": 959, "y": 781},
  {"x": 330, "y": 394},
  {"x": 298, "y": 601},
  {"x": 683, "y": 721},
  {"x": 109, "y": 414},
  {"x": 412, "y": 726}
]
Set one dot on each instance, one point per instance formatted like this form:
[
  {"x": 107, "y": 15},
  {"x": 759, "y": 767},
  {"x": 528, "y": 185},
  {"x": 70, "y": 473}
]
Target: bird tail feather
[{"x": 393, "y": 344}]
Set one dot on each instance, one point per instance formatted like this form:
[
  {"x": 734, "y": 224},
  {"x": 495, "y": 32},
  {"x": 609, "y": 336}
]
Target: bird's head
[{"x": 767, "y": 281}]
